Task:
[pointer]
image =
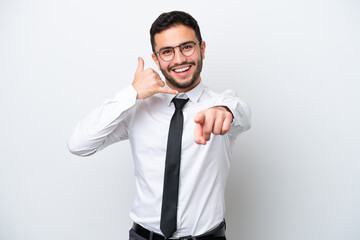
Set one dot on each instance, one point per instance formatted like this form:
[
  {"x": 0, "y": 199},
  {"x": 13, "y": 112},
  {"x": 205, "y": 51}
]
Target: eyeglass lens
[{"x": 186, "y": 49}]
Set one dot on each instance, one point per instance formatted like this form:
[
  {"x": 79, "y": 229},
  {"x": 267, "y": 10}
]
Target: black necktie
[{"x": 172, "y": 170}]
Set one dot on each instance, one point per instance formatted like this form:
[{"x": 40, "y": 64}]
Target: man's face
[{"x": 182, "y": 73}]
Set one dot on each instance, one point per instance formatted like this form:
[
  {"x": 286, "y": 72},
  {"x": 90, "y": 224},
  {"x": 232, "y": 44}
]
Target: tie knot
[{"x": 179, "y": 103}]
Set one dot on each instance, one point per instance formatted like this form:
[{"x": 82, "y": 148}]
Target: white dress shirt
[{"x": 203, "y": 170}]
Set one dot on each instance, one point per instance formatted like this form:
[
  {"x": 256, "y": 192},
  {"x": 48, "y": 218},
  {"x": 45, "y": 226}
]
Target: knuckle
[
  {"x": 201, "y": 113},
  {"x": 228, "y": 114},
  {"x": 154, "y": 85},
  {"x": 150, "y": 71},
  {"x": 200, "y": 116},
  {"x": 217, "y": 131},
  {"x": 207, "y": 130},
  {"x": 212, "y": 111},
  {"x": 225, "y": 130}
]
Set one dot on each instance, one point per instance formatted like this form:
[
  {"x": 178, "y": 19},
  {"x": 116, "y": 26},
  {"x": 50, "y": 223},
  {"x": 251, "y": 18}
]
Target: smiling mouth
[{"x": 182, "y": 69}]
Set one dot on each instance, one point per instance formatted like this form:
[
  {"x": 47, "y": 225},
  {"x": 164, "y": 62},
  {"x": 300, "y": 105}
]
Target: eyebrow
[{"x": 176, "y": 46}]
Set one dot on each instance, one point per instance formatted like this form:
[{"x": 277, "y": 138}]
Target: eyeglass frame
[{"x": 173, "y": 50}]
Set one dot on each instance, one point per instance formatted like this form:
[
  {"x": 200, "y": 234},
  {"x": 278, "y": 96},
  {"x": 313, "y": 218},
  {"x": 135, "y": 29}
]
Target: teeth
[{"x": 181, "y": 69}]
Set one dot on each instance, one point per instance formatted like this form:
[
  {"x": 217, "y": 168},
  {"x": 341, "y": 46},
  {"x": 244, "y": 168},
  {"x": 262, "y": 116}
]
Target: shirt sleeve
[
  {"x": 240, "y": 110},
  {"x": 104, "y": 125}
]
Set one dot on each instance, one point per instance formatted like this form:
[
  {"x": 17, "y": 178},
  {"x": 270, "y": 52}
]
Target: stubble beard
[{"x": 184, "y": 85}]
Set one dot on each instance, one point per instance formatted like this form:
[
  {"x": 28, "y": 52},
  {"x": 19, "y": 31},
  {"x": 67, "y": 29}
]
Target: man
[{"x": 181, "y": 153}]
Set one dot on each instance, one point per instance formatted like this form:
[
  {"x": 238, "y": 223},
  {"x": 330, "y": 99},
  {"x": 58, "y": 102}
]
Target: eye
[
  {"x": 188, "y": 47},
  {"x": 166, "y": 51}
]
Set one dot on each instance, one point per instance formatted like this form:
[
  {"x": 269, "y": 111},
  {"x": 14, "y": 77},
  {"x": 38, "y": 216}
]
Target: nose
[{"x": 178, "y": 56}]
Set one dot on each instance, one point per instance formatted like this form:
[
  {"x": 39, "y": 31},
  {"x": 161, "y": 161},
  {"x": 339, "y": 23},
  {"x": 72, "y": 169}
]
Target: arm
[
  {"x": 230, "y": 115},
  {"x": 106, "y": 124}
]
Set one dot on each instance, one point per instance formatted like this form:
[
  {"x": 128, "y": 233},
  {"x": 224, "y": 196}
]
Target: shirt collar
[{"x": 193, "y": 95}]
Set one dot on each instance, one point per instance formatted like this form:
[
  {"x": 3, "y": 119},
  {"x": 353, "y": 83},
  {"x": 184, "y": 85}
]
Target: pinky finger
[{"x": 226, "y": 125}]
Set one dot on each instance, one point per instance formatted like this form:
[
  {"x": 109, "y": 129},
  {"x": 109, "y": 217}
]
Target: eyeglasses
[{"x": 187, "y": 49}]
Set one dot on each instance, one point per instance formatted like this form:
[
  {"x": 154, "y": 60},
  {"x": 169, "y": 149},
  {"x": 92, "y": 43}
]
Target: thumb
[
  {"x": 140, "y": 66},
  {"x": 200, "y": 118}
]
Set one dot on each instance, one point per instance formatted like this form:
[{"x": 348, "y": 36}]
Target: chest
[{"x": 148, "y": 126}]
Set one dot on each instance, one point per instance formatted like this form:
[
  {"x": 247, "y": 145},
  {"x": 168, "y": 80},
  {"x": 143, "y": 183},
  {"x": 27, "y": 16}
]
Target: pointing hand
[{"x": 214, "y": 120}]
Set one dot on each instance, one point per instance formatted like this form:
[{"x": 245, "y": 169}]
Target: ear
[
  {"x": 202, "y": 47},
  {"x": 156, "y": 60}
]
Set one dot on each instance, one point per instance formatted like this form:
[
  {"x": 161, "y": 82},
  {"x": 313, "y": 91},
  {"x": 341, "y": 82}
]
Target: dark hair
[{"x": 170, "y": 19}]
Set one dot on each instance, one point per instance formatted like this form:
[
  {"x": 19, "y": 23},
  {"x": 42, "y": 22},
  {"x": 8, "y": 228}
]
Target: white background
[{"x": 295, "y": 175}]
